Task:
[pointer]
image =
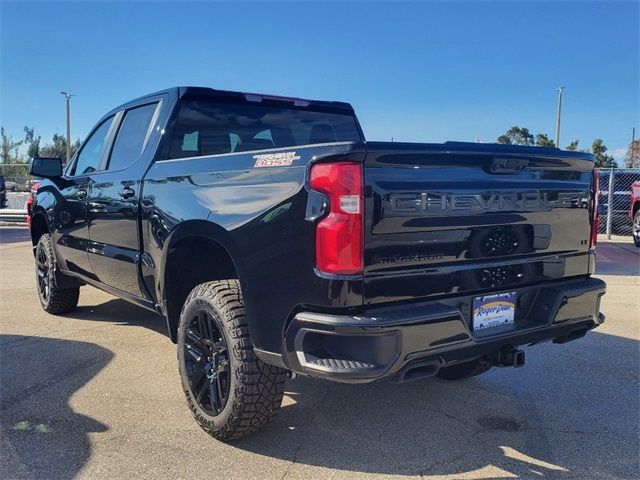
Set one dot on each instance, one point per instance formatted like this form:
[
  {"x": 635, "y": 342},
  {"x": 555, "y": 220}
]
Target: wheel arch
[
  {"x": 196, "y": 251},
  {"x": 39, "y": 226}
]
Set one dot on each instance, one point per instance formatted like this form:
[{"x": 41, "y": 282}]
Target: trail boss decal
[{"x": 275, "y": 159}]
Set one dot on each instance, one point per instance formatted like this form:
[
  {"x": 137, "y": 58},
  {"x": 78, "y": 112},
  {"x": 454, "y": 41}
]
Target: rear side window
[
  {"x": 131, "y": 137},
  {"x": 209, "y": 128},
  {"x": 90, "y": 156}
]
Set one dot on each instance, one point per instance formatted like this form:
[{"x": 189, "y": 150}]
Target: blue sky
[{"x": 428, "y": 71}]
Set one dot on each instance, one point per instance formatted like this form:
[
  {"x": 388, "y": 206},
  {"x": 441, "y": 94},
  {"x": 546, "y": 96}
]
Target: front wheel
[
  {"x": 230, "y": 391},
  {"x": 636, "y": 229},
  {"x": 53, "y": 299}
]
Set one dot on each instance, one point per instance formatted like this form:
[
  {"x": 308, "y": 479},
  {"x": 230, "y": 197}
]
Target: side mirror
[{"x": 46, "y": 167}]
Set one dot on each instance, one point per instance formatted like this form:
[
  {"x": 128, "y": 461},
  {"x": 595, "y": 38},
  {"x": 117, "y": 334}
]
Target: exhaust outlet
[{"x": 418, "y": 371}]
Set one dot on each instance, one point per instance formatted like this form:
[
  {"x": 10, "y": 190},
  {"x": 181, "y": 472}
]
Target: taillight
[
  {"x": 595, "y": 216},
  {"x": 339, "y": 235}
]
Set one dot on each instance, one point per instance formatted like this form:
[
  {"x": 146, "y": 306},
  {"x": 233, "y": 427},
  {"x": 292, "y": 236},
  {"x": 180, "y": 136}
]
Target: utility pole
[
  {"x": 560, "y": 90},
  {"x": 68, "y": 97},
  {"x": 633, "y": 149}
]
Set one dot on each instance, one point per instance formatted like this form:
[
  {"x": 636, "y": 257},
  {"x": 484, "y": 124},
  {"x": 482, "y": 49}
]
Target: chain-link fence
[
  {"x": 614, "y": 200},
  {"x": 17, "y": 186},
  {"x": 16, "y": 177}
]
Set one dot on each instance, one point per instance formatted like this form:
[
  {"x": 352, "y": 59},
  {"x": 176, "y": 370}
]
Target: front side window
[
  {"x": 130, "y": 140},
  {"x": 210, "y": 128},
  {"x": 90, "y": 156}
]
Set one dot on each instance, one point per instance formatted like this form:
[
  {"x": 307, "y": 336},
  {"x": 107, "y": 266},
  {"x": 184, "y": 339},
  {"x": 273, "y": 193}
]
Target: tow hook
[{"x": 510, "y": 357}]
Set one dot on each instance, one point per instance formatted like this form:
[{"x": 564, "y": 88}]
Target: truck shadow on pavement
[
  {"x": 550, "y": 419},
  {"x": 42, "y": 437},
  {"x": 129, "y": 315}
]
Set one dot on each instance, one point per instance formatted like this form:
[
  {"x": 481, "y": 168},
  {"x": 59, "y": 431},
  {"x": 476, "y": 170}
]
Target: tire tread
[
  {"x": 61, "y": 300},
  {"x": 259, "y": 387}
]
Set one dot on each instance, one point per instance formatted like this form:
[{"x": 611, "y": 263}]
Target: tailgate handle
[{"x": 507, "y": 166}]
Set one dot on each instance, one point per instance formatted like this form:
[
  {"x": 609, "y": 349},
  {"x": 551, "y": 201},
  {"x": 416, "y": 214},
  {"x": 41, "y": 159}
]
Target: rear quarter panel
[{"x": 258, "y": 215}]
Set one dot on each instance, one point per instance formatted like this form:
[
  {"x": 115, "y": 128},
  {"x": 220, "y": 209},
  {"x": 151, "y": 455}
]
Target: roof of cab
[{"x": 245, "y": 97}]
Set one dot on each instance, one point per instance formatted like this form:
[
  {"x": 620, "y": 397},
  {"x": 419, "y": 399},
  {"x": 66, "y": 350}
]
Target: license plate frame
[{"x": 492, "y": 311}]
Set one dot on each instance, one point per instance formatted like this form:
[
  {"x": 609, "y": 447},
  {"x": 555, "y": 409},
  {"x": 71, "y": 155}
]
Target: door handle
[
  {"x": 97, "y": 207},
  {"x": 127, "y": 192},
  {"x": 82, "y": 193}
]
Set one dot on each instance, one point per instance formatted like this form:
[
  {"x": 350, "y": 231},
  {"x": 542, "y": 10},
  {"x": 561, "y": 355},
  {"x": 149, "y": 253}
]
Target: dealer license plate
[{"x": 495, "y": 310}]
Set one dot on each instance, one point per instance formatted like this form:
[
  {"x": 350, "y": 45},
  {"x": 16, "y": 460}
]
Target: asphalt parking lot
[{"x": 95, "y": 394}]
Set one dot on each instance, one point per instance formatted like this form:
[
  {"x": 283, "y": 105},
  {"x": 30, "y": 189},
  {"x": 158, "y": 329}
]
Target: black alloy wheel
[
  {"x": 53, "y": 297},
  {"x": 207, "y": 362},
  {"x": 229, "y": 390},
  {"x": 42, "y": 274}
]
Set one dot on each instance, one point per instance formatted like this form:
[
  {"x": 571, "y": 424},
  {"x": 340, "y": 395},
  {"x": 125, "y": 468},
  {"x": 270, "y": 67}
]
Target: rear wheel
[
  {"x": 464, "y": 370},
  {"x": 229, "y": 390},
  {"x": 53, "y": 299},
  {"x": 636, "y": 229}
]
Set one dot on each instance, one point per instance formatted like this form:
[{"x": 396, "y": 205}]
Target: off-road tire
[
  {"x": 256, "y": 388},
  {"x": 54, "y": 300},
  {"x": 636, "y": 229},
  {"x": 464, "y": 370}
]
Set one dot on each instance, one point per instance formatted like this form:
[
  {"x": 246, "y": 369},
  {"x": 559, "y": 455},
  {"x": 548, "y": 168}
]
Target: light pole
[
  {"x": 633, "y": 149},
  {"x": 560, "y": 90},
  {"x": 68, "y": 97}
]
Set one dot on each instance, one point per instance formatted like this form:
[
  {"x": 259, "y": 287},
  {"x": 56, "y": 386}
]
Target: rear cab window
[{"x": 207, "y": 128}]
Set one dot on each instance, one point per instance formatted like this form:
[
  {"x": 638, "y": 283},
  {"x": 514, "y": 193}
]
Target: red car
[
  {"x": 634, "y": 212},
  {"x": 32, "y": 194}
]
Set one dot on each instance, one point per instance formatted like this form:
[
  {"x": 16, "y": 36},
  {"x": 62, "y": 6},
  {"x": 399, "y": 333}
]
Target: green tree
[
  {"x": 58, "y": 147},
  {"x": 603, "y": 159},
  {"x": 517, "y": 136},
  {"x": 33, "y": 142},
  {"x": 75, "y": 146},
  {"x": 632, "y": 159},
  {"x": 542, "y": 140},
  {"x": 9, "y": 152},
  {"x": 573, "y": 147}
]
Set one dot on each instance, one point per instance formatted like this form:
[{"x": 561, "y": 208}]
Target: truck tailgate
[{"x": 459, "y": 218}]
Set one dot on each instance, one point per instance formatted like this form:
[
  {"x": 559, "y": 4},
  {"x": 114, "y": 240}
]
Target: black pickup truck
[{"x": 273, "y": 238}]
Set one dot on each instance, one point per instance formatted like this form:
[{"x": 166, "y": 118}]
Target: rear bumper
[{"x": 391, "y": 342}]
